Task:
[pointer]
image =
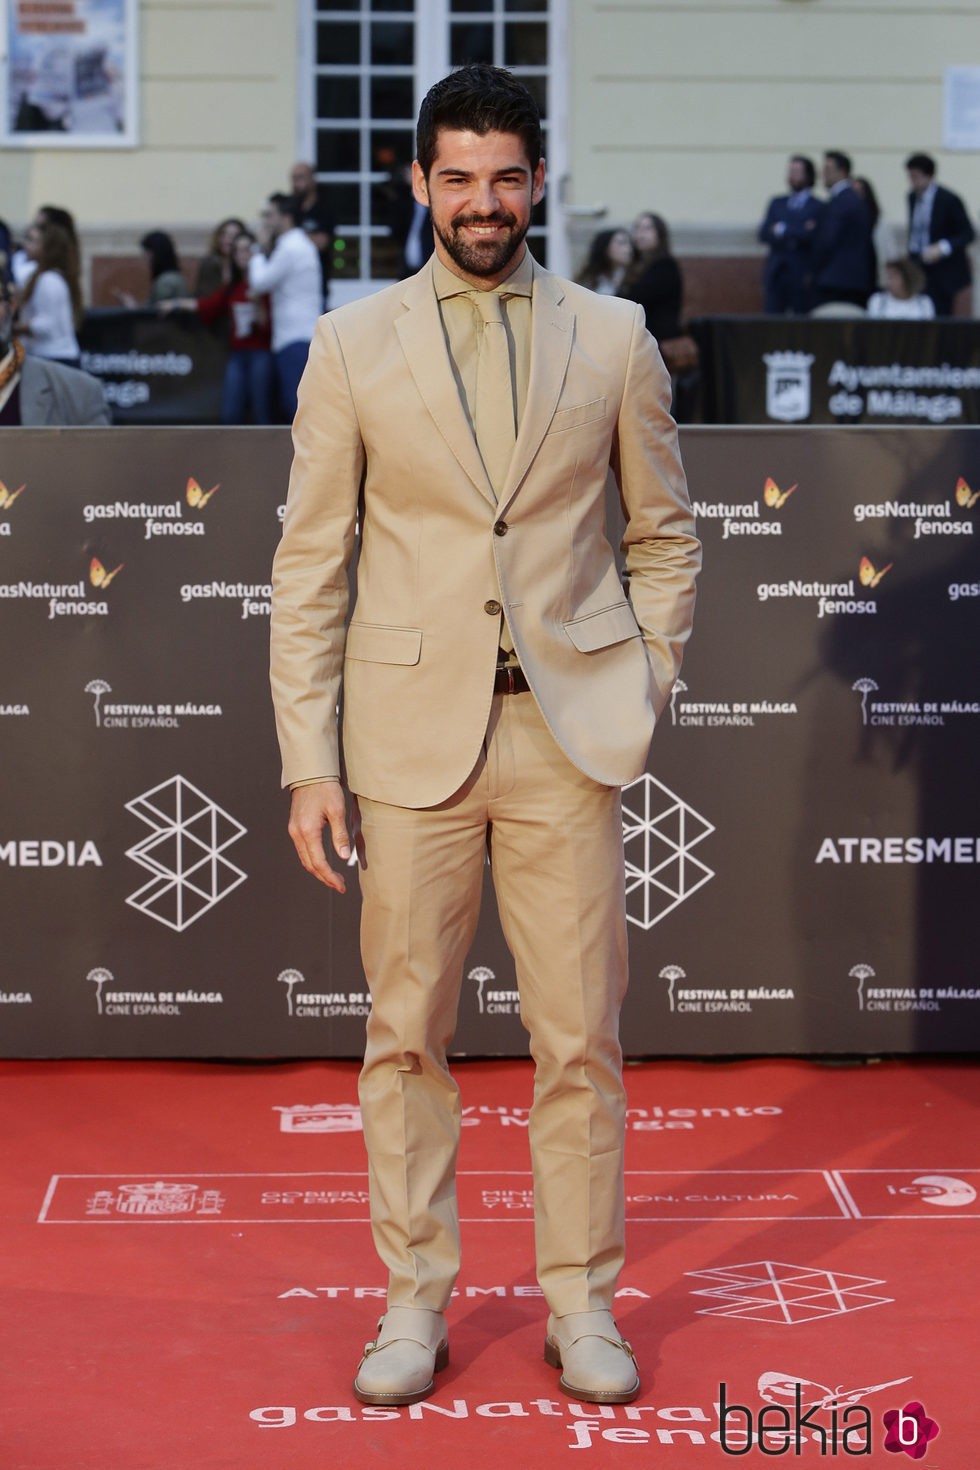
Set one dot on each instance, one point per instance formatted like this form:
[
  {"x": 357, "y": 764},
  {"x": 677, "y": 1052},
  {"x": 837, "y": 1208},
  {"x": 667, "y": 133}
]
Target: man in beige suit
[{"x": 498, "y": 689}]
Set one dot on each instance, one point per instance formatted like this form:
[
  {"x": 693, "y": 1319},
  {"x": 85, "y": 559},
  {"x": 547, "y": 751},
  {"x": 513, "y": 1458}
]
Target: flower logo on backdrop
[
  {"x": 493, "y": 1002},
  {"x": 910, "y": 1430},
  {"x": 788, "y": 385},
  {"x": 99, "y": 576},
  {"x": 98, "y": 687},
  {"x": 480, "y": 974},
  {"x": 161, "y": 1199},
  {"x": 774, "y": 1291},
  {"x": 861, "y": 973},
  {"x": 868, "y": 574},
  {"x": 185, "y": 853},
  {"x": 100, "y": 978},
  {"x": 320, "y": 1118},
  {"x": 195, "y": 494},
  {"x": 928, "y": 517},
  {"x": 315, "y": 1006},
  {"x": 659, "y": 831}
]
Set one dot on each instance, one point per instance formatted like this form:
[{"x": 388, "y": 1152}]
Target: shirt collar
[{"x": 518, "y": 283}]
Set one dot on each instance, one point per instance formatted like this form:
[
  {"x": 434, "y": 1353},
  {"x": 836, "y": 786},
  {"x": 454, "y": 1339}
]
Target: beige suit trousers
[{"x": 556, "y": 846}]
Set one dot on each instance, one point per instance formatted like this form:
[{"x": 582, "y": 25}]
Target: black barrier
[
  {"x": 802, "y": 855},
  {"x": 811, "y": 370},
  {"x": 155, "y": 369}
]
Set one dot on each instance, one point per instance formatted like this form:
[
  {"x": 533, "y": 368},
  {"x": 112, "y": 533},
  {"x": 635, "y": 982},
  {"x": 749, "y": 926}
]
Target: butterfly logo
[
  {"x": 965, "y": 497},
  {"x": 781, "y": 1388},
  {"x": 7, "y": 497},
  {"x": 97, "y": 574},
  {"x": 197, "y": 499},
  {"x": 774, "y": 497},
  {"x": 868, "y": 573}
]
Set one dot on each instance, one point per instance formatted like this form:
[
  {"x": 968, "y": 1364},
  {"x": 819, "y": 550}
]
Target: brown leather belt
[{"x": 510, "y": 680}]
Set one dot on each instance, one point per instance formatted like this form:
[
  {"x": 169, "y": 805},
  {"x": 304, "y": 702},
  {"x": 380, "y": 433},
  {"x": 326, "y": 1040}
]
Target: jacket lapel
[
  {"x": 420, "y": 333},
  {"x": 552, "y": 333}
]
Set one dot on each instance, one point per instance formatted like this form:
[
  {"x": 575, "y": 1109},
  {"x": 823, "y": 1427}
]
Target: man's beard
[{"x": 482, "y": 258}]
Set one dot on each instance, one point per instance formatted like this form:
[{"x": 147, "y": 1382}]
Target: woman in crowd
[
  {"x": 166, "y": 278},
  {"x": 247, "y": 395},
  {"x": 865, "y": 188},
  {"x": 903, "y": 298},
  {"x": 50, "y": 310},
  {"x": 22, "y": 267},
  {"x": 215, "y": 268},
  {"x": 654, "y": 279},
  {"x": 610, "y": 255}
]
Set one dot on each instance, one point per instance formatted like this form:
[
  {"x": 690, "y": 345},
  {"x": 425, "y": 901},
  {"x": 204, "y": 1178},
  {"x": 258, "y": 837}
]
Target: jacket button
[
  {"x": 501, "y": 528},
  {"x": 492, "y": 607}
]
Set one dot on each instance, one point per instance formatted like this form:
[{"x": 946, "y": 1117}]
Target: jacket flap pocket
[
  {"x": 375, "y": 643},
  {"x": 581, "y": 413},
  {"x": 600, "y": 629}
]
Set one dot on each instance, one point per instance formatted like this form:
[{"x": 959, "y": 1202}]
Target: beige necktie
[{"x": 494, "y": 422}]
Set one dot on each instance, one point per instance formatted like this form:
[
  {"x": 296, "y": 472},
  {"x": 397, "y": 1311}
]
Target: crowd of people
[
  {"x": 262, "y": 291},
  {"x": 822, "y": 254}
]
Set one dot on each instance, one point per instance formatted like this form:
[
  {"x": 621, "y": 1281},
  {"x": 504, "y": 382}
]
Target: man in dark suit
[
  {"x": 842, "y": 253},
  {"x": 939, "y": 233},
  {"x": 789, "y": 229}
]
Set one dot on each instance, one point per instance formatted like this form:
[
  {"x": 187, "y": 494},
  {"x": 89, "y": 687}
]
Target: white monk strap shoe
[
  {"x": 597, "y": 1365},
  {"x": 399, "y": 1367}
]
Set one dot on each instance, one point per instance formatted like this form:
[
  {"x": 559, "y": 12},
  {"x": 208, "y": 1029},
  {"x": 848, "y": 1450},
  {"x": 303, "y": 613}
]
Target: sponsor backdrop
[
  {"x": 805, "y": 370},
  {"x": 802, "y": 854}
]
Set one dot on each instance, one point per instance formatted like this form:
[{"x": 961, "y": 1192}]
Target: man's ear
[
  {"x": 419, "y": 186},
  {"x": 537, "y": 184}
]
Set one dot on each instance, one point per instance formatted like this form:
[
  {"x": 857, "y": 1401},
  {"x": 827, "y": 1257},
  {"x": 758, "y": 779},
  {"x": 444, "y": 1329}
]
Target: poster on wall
[{"x": 70, "y": 74}]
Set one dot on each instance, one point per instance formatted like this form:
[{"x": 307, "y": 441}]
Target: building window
[{"x": 373, "y": 64}]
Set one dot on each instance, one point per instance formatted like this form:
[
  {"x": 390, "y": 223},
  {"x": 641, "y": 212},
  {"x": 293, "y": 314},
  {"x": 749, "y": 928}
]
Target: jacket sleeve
[
  {"x": 663, "y": 554},
  {"x": 310, "y": 570}
]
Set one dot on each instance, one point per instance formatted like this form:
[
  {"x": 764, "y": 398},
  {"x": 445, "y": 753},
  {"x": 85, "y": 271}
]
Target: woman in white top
[
  {"x": 903, "y": 298},
  {"x": 51, "y": 302}
]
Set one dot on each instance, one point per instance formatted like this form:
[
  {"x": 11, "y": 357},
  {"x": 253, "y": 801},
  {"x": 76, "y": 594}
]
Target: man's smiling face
[{"x": 481, "y": 190}]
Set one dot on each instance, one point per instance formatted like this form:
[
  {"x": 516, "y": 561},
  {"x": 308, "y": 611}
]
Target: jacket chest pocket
[{"x": 581, "y": 413}]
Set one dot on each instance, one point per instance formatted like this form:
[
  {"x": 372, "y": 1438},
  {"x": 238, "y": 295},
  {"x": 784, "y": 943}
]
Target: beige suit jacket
[{"x": 385, "y": 456}]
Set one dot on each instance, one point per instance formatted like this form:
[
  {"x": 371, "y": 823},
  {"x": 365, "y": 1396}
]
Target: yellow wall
[
  {"x": 690, "y": 107},
  {"x": 218, "y": 126}
]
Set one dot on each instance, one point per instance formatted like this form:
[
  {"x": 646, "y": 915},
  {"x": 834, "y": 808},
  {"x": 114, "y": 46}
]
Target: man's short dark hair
[
  {"x": 478, "y": 99},
  {"x": 922, "y": 163},
  {"x": 839, "y": 160},
  {"x": 288, "y": 205},
  {"x": 809, "y": 172}
]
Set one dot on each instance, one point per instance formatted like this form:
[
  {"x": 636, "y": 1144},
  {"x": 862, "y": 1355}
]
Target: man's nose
[{"x": 484, "y": 199}]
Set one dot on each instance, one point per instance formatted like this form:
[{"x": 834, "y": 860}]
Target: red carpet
[{"x": 188, "y": 1274}]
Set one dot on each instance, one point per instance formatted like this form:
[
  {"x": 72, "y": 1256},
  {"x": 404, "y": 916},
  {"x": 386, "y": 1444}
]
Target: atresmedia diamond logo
[
  {"x": 185, "y": 853},
  {"x": 659, "y": 830}
]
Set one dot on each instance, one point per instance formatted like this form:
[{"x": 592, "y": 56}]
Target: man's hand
[{"x": 323, "y": 804}]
